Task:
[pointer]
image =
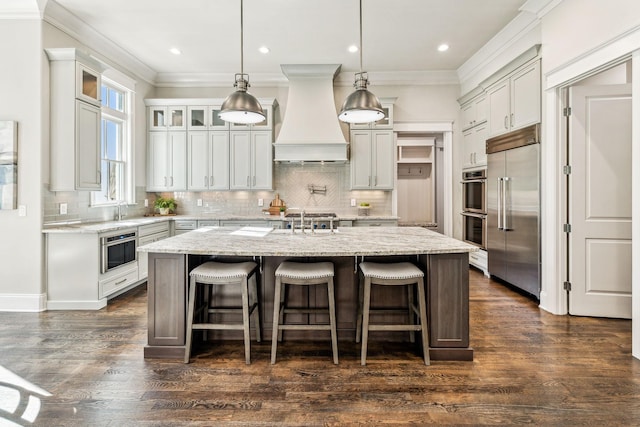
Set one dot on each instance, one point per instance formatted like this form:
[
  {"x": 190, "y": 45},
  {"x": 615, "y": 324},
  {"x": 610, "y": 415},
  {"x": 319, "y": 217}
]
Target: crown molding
[
  {"x": 20, "y": 9},
  {"x": 217, "y": 80},
  {"x": 402, "y": 78},
  {"x": 110, "y": 53},
  {"x": 518, "y": 35}
]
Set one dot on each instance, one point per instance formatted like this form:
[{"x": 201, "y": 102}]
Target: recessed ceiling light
[
  {"x": 443, "y": 47},
  {"x": 264, "y": 49},
  {"x": 353, "y": 48},
  {"x": 175, "y": 51}
]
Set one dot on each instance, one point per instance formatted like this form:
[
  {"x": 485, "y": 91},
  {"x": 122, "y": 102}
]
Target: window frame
[{"x": 126, "y": 118}]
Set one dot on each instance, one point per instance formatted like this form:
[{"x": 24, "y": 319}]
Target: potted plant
[{"x": 165, "y": 205}]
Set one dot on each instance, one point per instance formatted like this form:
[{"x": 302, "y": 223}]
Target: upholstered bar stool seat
[
  {"x": 230, "y": 274},
  {"x": 392, "y": 274},
  {"x": 305, "y": 274}
]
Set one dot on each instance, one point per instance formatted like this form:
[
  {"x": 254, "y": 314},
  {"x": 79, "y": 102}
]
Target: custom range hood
[{"x": 310, "y": 129}]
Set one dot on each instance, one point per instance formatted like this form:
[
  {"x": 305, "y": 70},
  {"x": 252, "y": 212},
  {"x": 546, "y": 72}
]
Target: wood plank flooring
[{"x": 530, "y": 367}]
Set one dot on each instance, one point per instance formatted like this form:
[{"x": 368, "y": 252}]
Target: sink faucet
[
  {"x": 121, "y": 204},
  {"x": 302, "y": 220}
]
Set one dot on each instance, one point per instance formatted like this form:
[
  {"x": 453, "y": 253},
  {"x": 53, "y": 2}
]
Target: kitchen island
[{"x": 444, "y": 260}]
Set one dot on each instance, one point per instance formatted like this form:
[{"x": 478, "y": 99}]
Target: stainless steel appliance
[
  {"x": 474, "y": 208},
  {"x": 118, "y": 249},
  {"x": 474, "y": 191},
  {"x": 513, "y": 208}
]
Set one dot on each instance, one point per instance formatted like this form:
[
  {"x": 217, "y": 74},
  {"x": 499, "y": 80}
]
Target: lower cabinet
[
  {"x": 375, "y": 223},
  {"x": 149, "y": 234}
]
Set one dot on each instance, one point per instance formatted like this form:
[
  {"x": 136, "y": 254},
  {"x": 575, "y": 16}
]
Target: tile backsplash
[{"x": 292, "y": 183}]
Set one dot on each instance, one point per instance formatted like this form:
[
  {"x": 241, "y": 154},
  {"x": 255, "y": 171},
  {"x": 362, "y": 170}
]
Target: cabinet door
[
  {"x": 198, "y": 161},
  {"x": 177, "y": 118},
  {"x": 525, "y": 97},
  {"x": 240, "y": 160},
  {"x": 157, "y": 168},
  {"x": 266, "y": 124},
  {"x": 468, "y": 113},
  {"x": 382, "y": 158},
  {"x": 158, "y": 118},
  {"x": 467, "y": 148},
  {"x": 87, "y": 146},
  {"x": 178, "y": 161},
  {"x": 261, "y": 160},
  {"x": 197, "y": 117},
  {"x": 479, "y": 145},
  {"x": 480, "y": 107},
  {"x": 219, "y": 160},
  {"x": 215, "y": 122},
  {"x": 88, "y": 84},
  {"x": 498, "y": 105},
  {"x": 360, "y": 159}
]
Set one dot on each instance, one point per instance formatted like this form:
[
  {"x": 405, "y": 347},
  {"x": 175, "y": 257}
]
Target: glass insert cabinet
[{"x": 171, "y": 118}]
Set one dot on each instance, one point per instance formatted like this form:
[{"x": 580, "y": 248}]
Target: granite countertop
[
  {"x": 346, "y": 241},
  {"x": 106, "y": 226}
]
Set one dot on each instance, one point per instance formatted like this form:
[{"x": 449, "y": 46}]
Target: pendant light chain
[
  {"x": 361, "y": 36},
  {"x": 242, "y": 37}
]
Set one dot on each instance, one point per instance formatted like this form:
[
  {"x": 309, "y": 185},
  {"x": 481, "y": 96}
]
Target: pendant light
[
  {"x": 361, "y": 106},
  {"x": 241, "y": 106}
]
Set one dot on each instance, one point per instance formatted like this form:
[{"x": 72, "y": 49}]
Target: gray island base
[{"x": 444, "y": 260}]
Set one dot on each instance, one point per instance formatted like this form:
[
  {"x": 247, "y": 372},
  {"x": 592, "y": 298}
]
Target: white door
[
  {"x": 261, "y": 160},
  {"x": 198, "y": 161},
  {"x": 600, "y": 201}
]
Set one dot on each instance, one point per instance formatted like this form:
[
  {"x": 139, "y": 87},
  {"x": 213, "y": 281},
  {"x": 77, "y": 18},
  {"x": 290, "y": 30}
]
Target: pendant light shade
[
  {"x": 241, "y": 106},
  {"x": 361, "y": 106}
]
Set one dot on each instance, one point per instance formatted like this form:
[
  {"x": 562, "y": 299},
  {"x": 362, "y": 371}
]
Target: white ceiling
[{"x": 398, "y": 36}]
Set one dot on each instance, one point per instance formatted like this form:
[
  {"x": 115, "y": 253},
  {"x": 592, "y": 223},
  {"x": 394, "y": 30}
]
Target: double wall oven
[{"x": 474, "y": 207}]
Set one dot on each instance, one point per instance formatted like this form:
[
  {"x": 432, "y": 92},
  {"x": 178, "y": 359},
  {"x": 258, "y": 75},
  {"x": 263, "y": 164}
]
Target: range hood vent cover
[{"x": 310, "y": 129}]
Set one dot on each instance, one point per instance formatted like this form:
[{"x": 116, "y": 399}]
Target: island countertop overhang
[{"x": 346, "y": 241}]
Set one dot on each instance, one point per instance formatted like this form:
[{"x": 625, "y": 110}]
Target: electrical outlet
[
  {"x": 63, "y": 208},
  {"x": 353, "y": 202},
  {"x": 22, "y": 210},
  {"x": 260, "y": 202},
  {"x": 146, "y": 203},
  {"x": 198, "y": 202}
]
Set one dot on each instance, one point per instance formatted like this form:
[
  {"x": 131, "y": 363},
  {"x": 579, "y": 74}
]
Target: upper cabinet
[
  {"x": 372, "y": 160},
  {"x": 514, "y": 101},
  {"x": 191, "y": 148},
  {"x": 75, "y": 81},
  {"x": 474, "y": 112}
]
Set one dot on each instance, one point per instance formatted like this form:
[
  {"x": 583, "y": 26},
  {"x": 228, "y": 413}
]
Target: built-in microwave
[
  {"x": 118, "y": 249},
  {"x": 474, "y": 191}
]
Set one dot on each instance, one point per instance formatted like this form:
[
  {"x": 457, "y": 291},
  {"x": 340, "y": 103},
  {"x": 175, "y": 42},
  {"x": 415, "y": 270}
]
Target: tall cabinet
[
  {"x": 75, "y": 82},
  {"x": 372, "y": 152}
]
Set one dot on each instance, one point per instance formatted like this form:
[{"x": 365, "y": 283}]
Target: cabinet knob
[{"x": 506, "y": 121}]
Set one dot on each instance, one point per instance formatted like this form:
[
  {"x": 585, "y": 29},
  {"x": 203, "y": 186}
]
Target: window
[{"x": 116, "y": 167}]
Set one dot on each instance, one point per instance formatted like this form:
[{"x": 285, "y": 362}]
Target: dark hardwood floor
[{"x": 530, "y": 367}]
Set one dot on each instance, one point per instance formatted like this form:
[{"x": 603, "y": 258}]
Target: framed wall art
[{"x": 8, "y": 164}]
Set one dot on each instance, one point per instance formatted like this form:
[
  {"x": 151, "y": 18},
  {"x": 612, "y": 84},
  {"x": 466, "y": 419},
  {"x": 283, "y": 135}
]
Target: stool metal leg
[
  {"x": 332, "y": 319},
  {"x": 365, "y": 320},
  {"x": 276, "y": 319},
  {"x": 423, "y": 320},
  {"x": 192, "y": 303}
]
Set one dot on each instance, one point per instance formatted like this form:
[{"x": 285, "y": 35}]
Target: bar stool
[
  {"x": 393, "y": 274},
  {"x": 232, "y": 274},
  {"x": 306, "y": 274}
]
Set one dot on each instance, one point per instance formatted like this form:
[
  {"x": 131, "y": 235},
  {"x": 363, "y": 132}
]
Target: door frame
[{"x": 553, "y": 297}]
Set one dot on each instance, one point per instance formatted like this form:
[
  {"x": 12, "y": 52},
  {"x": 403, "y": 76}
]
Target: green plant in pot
[{"x": 165, "y": 205}]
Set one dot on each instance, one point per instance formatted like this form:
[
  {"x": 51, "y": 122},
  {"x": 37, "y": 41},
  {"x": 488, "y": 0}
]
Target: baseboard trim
[
  {"x": 23, "y": 302},
  {"x": 77, "y": 305}
]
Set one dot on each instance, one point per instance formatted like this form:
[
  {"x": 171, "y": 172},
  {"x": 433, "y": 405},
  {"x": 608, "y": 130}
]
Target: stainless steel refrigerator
[{"x": 513, "y": 208}]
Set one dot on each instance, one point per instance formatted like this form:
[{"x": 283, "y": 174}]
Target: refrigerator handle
[
  {"x": 506, "y": 194},
  {"x": 499, "y": 203}
]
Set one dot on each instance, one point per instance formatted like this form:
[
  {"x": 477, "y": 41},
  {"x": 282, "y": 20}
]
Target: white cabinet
[
  {"x": 375, "y": 223},
  {"x": 372, "y": 160},
  {"x": 75, "y": 121},
  {"x": 514, "y": 102},
  {"x": 251, "y": 160},
  {"x": 208, "y": 161},
  {"x": 148, "y": 234},
  {"x": 474, "y": 152},
  {"x": 474, "y": 112},
  {"x": 266, "y": 124},
  {"x": 205, "y": 117},
  {"x": 167, "y": 118},
  {"x": 167, "y": 161}
]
